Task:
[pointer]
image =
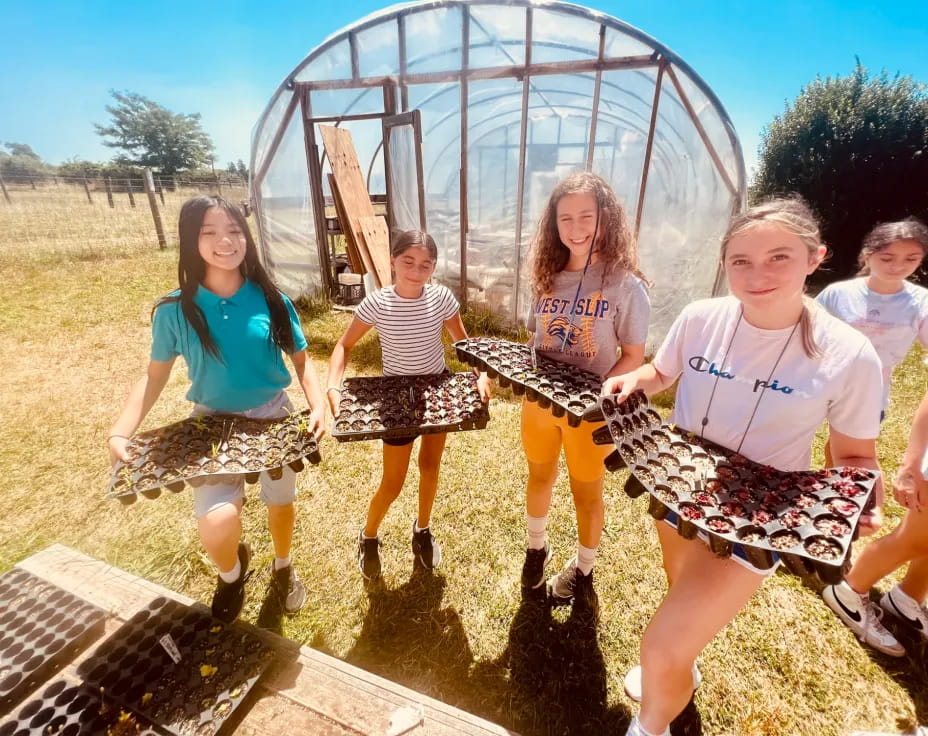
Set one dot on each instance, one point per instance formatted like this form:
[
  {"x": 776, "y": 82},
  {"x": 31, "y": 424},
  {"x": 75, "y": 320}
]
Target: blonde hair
[
  {"x": 795, "y": 216},
  {"x": 616, "y": 243},
  {"x": 886, "y": 233}
]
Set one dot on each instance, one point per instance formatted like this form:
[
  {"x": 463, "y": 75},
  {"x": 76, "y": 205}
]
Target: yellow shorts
[{"x": 543, "y": 434}]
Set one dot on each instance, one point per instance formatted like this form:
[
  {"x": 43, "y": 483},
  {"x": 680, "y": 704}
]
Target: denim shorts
[
  {"x": 737, "y": 551},
  {"x": 211, "y": 492}
]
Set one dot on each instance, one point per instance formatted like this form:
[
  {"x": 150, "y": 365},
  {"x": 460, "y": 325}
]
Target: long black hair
[{"x": 191, "y": 270}]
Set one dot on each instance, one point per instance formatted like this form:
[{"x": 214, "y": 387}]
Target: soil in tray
[
  {"x": 823, "y": 549},
  {"x": 833, "y": 526},
  {"x": 762, "y": 516},
  {"x": 704, "y": 498},
  {"x": 842, "y": 507},
  {"x": 794, "y": 518},
  {"x": 665, "y": 495},
  {"x": 751, "y": 535},
  {"x": 785, "y": 540},
  {"x": 847, "y": 488},
  {"x": 804, "y": 501},
  {"x": 719, "y": 525},
  {"x": 733, "y": 509}
]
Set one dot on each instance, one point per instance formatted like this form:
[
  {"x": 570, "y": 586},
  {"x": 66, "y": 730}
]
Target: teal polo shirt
[{"x": 253, "y": 372}]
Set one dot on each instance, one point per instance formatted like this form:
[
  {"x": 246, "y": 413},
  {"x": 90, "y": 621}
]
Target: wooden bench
[{"x": 305, "y": 691}]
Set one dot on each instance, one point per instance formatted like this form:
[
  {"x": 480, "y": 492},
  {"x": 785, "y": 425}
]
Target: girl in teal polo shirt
[{"x": 232, "y": 326}]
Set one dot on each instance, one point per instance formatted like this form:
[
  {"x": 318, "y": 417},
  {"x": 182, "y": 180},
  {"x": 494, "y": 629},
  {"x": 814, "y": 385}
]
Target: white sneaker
[
  {"x": 862, "y": 617},
  {"x": 906, "y": 609},
  {"x": 635, "y": 729},
  {"x": 633, "y": 681}
]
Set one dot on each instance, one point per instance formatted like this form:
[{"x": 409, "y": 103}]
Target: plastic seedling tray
[
  {"x": 386, "y": 407},
  {"x": 67, "y": 709},
  {"x": 809, "y": 518},
  {"x": 218, "y": 444},
  {"x": 560, "y": 387},
  {"x": 216, "y": 666},
  {"x": 42, "y": 628}
]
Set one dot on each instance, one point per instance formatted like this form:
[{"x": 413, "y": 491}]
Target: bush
[{"x": 856, "y": 148}]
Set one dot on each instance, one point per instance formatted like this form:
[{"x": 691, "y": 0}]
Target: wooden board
[
  {"x": 352, "y": 191},
  {"x": 305, "y": 691},
  {"x": 355, "y": 259},
  {"x": 376, "y": 237}
]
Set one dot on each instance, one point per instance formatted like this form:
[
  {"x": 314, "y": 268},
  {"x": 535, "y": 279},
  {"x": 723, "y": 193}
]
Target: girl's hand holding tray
[
  {"x": 809, "y": 518},
  {"x": 217, "y": 444},
  {"x": 380, "y": 407}
]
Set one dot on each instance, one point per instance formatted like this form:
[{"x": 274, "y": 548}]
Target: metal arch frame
[{"x": 661, "y": 57}]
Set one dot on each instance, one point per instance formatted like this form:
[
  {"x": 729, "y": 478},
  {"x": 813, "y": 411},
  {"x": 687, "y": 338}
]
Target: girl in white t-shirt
[
  {"x": 759, "y": 370},
  {"x": 409, "y": 317},
  {"x": 881, "y": 303}
]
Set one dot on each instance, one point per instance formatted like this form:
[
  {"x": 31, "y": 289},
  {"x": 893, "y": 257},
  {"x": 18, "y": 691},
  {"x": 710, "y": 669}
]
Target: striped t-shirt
[{"x": 410, "y": 329}]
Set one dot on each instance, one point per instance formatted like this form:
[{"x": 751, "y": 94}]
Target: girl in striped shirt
[{"x": 409, "y": 317}]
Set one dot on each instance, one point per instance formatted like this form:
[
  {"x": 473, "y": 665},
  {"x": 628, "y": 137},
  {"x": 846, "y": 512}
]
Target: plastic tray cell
[
  {"x": 386, "y": 407},
  {"x": 808, "y": 518},
  {"x": 42, "y": 628},
  {"x": 559, "y": 387},
  {"x": 171, "y": 456},
  {"x": 216, "y": 666},
  {"x": 67, "y": 709}
]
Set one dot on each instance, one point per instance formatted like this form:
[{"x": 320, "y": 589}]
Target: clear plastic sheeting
[{"x": 513, "y": 95}]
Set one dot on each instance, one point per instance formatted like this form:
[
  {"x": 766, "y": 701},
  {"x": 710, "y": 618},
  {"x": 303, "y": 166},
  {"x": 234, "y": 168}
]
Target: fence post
[
  {"x": 153, "y": 204},
  {"x": 109, "y": 191},
  {"x": 218, "y": 185},
  {"x": 129, "y": 192},
  {"x": 160, "y": 189},
  {"x": 6, "y": 194},
  {"x": 87, "y": 190},
  {"x": 32, "y": 181}
]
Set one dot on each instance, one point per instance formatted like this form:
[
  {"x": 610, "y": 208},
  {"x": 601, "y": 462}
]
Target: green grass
[{"x": 74, "y": 335}]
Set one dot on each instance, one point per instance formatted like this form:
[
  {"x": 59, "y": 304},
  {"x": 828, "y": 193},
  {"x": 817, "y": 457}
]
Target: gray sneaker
[{"x": 369, "y": 556}]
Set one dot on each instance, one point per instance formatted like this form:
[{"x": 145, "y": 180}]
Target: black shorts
[{"x": 399, "y": 441}]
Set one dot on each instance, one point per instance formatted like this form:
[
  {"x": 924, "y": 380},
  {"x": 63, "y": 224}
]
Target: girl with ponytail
[{"x": 758, "y": 371}]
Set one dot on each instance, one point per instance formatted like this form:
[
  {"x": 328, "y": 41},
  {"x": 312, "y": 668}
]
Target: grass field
[{"x": 74, "y": 334}]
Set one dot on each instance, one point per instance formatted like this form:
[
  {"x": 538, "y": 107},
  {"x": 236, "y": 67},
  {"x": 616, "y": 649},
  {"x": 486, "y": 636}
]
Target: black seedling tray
[
  {"x": 42, "y": 628},
  {"x": 217, "y": 444},
  {"x": 809, "y": 518},
  {"x": 387, "y": 407},
  {"x": 560, "y": 387},
  {"x": 218, "y": 666},
  {"x": 67, "y": 709}
]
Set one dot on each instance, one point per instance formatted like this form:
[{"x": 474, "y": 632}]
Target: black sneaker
[
  {"x": 425, "y": 548},
  {"x": 572, "y": 585},
  {"x": 229, "y": 597},
  {"x": 288, "y": 588},
  {"x": 369, "y": 556},
  {"x": 533, "y": 569}
]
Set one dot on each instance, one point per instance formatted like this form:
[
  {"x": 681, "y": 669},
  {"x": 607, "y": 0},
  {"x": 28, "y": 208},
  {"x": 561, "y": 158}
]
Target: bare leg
[
  {"x": 588, "y": 502},
  {"x": 280, "y": 520},
  {"x": 430, "y": 452},
  {"x": 395, "y": 465},
  {"x": 220, "y": 531},
  {"x": 708, "y": 593},
  {"x": 908, "y": 541},
  {"x": 915, "y": 582},
  {"x": 674, "y": 550}
]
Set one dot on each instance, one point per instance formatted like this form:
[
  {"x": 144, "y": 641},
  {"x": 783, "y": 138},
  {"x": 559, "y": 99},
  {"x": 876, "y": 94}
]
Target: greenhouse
[{"x": 464, "y": 116}]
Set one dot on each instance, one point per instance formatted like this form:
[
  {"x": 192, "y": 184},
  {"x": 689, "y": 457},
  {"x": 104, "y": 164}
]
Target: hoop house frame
[{"x": 509, "y": 97}]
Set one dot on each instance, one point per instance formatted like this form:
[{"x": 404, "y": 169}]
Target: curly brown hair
[{"x": 618, "y": 249}]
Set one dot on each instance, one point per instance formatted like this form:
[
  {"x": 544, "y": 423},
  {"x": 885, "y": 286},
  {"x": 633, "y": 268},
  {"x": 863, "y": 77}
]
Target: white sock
[
  {"x": 364, "y": 536},
  {"x": 420, "y": 528},
  {"x": 636, "y": 729},
  {"x": 232, "y": 575},
  {"x": 848, "y": 594},
  {"x": 281, "y": 562},
  {"x": 586, "y": 558},
  {"x": 536, "y": 526}
]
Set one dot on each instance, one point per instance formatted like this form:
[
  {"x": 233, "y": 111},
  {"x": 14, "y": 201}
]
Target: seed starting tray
[
  {"x": 387, "y": 407},
  {"x": 42, "y": 627},
  {"x": 218, "y": 665},
  {"x": 560, "y": 387},
  {"x": 68, "y": 709},
  {"x": 218, "y": 444},
  {"x": 809, "y": 518}
]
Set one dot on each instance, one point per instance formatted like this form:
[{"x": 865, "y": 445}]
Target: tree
[
  {"x": 856, "y": 148},
  {"x": 152, "y": 135},
  {"x": 22, "y": 164}
]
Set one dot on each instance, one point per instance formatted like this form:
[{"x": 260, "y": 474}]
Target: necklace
[
  {"x": 705, "y": 418},
  {"x": 573, "y": 304}
]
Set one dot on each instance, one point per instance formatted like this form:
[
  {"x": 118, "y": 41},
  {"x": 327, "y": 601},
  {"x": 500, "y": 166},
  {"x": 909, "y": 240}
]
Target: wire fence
[{"x": 77, "y": 214}]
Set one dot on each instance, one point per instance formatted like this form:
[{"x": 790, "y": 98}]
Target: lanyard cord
[
  {"x": 573, "y": 304},
  {"x": 705, "y": 418}
]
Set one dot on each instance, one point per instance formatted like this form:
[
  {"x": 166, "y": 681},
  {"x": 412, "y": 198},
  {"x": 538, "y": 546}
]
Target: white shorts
[{"x": 213, "y": 491}]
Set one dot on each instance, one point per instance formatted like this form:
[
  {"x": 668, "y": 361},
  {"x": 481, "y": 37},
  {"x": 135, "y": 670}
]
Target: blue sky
[{"x": 58, "y": 60}]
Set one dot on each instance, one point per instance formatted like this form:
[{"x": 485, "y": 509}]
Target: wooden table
[{"x": 305, "y": 691}]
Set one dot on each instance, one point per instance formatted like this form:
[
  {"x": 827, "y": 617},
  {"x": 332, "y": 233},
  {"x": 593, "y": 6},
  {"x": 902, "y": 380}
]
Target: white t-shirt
[
  {"x": 842, "y": 386},
  {"x": 410, "y": 329},
  {"x": 891, "y": 321}
]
